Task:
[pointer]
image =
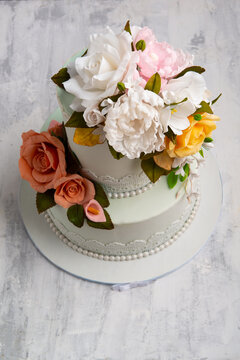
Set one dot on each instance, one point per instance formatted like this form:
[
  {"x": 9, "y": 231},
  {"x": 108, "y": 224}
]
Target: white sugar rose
[
  {"x": 95, "y": 75},
  {"x": 93, "y": 116},
  {"x": 133, "y": 123}
]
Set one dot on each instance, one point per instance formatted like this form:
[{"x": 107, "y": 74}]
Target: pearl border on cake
[
  {"x": 125, "y": 257},
  {"x": 126, "y": 194}
]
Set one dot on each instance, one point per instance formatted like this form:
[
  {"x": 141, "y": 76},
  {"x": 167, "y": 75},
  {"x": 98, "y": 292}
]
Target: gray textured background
[{"x": 45, "y": 314}]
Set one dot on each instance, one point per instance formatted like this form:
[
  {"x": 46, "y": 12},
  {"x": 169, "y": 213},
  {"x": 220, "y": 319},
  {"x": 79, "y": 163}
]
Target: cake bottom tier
[{"x": 143, "y": 225}]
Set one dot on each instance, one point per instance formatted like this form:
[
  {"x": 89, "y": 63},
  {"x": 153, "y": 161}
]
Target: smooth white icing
[{"x": 141, "y": 223}]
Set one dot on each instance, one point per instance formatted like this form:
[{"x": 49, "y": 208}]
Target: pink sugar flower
[
  {"x": 159, "y": 57},
  {"x": 94, "y": 211}
]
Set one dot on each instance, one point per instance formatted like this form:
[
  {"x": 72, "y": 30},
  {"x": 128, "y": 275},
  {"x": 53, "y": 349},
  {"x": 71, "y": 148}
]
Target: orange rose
[
  {"x": 190, "y": 142},
  {"x": 42, "y": 160},
  {"x": 73, "y": 189}
]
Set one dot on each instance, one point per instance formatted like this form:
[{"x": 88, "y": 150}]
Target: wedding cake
[{"x": 117, "y": 173}]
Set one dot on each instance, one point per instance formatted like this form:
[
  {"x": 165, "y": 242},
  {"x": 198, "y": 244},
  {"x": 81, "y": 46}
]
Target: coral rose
[
  {"x": 73, "y": 189},
  {"x": 56, "y": 128},
  {"x": 191, "y": 140},
  {"x": 42, "y": 160}
]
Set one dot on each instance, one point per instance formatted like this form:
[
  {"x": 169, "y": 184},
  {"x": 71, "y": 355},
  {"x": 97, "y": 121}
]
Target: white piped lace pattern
[
  {"x": 155, "y": 243},
  {"x": 126, "y": 186}
]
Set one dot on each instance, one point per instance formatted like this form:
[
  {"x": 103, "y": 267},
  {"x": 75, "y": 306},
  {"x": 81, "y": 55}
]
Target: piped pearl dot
[
  {"x": 134, "y": 257},
  {"x": 115, "y": 195},
  {"x": 90, "y": 253},
  {"x": 123, "y": 258},
  {"x": 129, "y": 257},
  {"x": 117, "y": 258},
  {"x": 100, "y": 257},
  {"x": 85, "y": 252},
  {"x": 106, "y": 257},
  {"x": 140, "y": 255},
  {"x": 145, "y": 254},
  {"x": 138, "y": 191},
  {"x": 111, "y": 258},
  {"x": 110, "y": 195}
]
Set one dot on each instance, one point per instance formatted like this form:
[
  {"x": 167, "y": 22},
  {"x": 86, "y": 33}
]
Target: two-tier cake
[{"x": 117, "y": 174}]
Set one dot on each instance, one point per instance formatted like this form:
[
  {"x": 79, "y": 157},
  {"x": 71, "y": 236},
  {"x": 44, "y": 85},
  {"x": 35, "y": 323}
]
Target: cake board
[{"x": 133, "y": 271}]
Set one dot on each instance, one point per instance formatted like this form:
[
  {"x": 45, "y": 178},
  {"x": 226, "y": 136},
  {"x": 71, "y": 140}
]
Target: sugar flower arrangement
[
  {"x": 52, "y": 169},
  {"x": 145, "y": 99}
]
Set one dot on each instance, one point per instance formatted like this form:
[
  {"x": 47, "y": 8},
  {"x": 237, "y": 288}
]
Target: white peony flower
[
  {"x": 96, "y": 75},
  {"x": 191, "y": 85},
  {"x": 133, "y": 124},
  {"x": 176, "y": 116}
]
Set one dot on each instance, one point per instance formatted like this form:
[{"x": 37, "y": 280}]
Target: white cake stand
[{"x": 134, "y": 271}]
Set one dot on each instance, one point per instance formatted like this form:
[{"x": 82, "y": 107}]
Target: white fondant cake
[{"x": 132, "y": 110}]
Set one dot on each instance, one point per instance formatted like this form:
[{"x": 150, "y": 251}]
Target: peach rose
[
  {"x": 94, "y": 211},
  {"x": 73, "y": 189},
  {"x": 56, "y": 128},
  {"x": 42, "y": 160},
  {"x": 190, "y": 142}
]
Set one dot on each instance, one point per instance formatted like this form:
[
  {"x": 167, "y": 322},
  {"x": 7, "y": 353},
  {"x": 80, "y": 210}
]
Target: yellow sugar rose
[{"x": 191, "y": 140}]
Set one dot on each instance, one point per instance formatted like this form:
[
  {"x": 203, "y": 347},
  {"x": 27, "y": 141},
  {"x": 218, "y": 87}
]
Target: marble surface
[{"x": 192, "y": 314}]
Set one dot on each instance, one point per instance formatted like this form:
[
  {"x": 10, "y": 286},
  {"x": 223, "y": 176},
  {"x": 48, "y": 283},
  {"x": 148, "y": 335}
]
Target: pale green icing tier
[{"x": 141, "y": 223}]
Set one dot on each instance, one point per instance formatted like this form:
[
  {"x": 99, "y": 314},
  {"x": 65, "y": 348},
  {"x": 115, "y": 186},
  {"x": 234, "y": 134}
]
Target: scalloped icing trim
[{"x": 132, "y": 244}]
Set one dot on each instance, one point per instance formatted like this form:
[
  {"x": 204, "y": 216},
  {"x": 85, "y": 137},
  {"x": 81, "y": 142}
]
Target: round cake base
[{"x": 149, "y": 268}]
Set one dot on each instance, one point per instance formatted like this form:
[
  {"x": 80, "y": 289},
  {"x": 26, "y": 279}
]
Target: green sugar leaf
[
  {"x": 201, "y": 152},
  {"x": 216, "y": 99},
  {"x": 76, "y": 215},
  {"x": 197, "y": 69},
  {"x": 107, "y": 225},
  {"x": 76, "y": 121},
  {"x": 205, "y": 107},
  {"x": 141, "y": 45},
  {"x": 100, "y": 195},
  {"x": 208, "y": 140},
  {"x": 152, "y": 170},
  {"x": 115, "y": 154},
  {"x": 154, "y": 83},
  {"x": 170, "y": 134},
  {"x": 45, "y": 200},
  {"x": 127, "y": 27},
  {"x": 187, "y": 170},
  {"x": 61, "y": 77},
  {"x": 172, "y": 179}
]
